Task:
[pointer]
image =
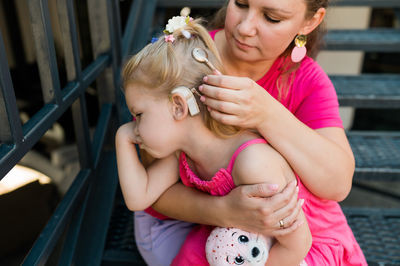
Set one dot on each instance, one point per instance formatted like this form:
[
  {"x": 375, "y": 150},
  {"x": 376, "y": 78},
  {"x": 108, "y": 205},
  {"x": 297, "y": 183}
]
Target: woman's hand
[
  {"x": 236, "y": 101},
  {"x": 259, "y": 208}
]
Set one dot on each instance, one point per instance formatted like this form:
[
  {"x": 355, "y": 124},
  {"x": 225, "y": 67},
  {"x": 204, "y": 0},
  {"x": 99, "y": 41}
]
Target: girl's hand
[
  {"x": 259, "y": 208},
  {"x": 236, "y": 101},
  {"x": 126, "y": 133}
]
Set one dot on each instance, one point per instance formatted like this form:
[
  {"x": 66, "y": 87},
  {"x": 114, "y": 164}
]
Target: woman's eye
[
  {"x": 240, "y": 5},
  {"x": 137, "y": 115},
  {"x": 269, "y": 19}
]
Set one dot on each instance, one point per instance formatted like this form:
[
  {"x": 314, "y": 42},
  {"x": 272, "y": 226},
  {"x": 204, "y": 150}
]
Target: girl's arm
[
  {"x": 250, "y": 167},
  {"x": 322, "y": 157},
  {"x": 141, "y": 187}
]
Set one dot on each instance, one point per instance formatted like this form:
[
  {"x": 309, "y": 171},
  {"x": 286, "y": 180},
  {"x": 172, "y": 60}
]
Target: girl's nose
[
  {"x": 136, "y": 130},
  {"x": 248, "y": 26}
]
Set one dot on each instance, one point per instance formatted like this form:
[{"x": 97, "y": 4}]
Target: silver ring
[{"x": 281, "y": 224}]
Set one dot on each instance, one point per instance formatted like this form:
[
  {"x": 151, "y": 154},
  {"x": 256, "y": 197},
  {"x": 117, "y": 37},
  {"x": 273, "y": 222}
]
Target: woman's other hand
[
  {"x": 260, "y": 208},
  {"x": 236, "y": 101}
]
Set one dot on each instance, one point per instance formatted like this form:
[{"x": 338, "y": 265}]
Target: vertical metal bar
[
  {"x": 82, "y": 133},
  {"x": 116, "y": 49},
  {"x": 45, "y": 51},
  {"x": 73, "y": 67},
  {"x": 131, "y": 27},
  {"x": 10, "y": 125},
  {"x": 100, "y": 36},
  {"x": 142, "y": 34},
  {"x": 70, "y": 38}
]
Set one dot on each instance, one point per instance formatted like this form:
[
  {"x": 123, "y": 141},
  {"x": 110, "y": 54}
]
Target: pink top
[
  {"x": 312, "y": 98},
  {"x": 333, "y": 242},
  {"x": 221, "y": 183}
]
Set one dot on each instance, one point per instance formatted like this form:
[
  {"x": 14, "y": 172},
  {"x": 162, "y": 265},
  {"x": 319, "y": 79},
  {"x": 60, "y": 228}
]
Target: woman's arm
[
  {"x": 253, "y": 208},
  {"x": 323, "y": 157},
  {"x": 141, "y": 187}
]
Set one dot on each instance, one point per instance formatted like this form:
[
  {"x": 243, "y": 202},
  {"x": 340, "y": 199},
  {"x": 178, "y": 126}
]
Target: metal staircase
[
  {"x": 377, "y": 153},
  {"x": 91, "y": 225}
]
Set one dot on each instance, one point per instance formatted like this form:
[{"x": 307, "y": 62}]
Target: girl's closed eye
[
  {"x": 137, "y": 115},
  {"x": 240, "y": 5}
]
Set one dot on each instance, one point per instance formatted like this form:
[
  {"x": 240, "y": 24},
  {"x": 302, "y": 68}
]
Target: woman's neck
[{"x": 233, "y": 66}]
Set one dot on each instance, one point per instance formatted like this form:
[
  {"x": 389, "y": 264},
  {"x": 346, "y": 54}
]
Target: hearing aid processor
[
  {"x": 188, "y": 95},
  {"x": 200, "y": 55}
]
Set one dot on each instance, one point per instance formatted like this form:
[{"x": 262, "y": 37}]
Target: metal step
[
  {"x": 377, "y": 155},
  {"x": 370, "y": 40},
  {"x": 368, "y": 90},
  {"x": 120, "y": 246},
  {"x": 218, "y": 3},
  {"x": 377, "y": 232}
]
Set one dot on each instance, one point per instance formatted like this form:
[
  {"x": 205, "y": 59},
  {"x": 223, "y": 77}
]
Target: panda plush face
[{"x": 231, "y": 246}]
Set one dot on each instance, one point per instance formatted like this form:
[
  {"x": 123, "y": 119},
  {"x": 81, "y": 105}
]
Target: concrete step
[
  {"x": 377, "y": 155},
  {"x": 368, "y": 90}
]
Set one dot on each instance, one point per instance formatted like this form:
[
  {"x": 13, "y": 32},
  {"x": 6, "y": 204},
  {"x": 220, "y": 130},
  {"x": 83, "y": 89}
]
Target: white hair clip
[
  {"x": 190, "y": 99},
  {"x": 186, "y": 34}
]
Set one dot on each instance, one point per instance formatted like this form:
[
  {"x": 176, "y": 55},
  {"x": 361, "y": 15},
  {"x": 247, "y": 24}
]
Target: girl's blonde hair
[{"x": 162, "y": 66}]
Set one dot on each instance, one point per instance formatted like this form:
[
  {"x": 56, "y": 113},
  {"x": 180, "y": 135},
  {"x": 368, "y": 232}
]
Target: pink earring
[{"x": 300, "y": 50}]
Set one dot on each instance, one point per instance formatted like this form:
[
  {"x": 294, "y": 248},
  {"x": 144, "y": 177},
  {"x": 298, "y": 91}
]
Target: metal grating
[
  {"x": 368, "y": 90},
  {"x": 377, "y": 155},
  {"x": 120, "y": 244},
  {"x": 378, "y": 233}
]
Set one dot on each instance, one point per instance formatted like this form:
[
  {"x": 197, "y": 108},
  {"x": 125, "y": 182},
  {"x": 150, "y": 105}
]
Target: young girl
[{"x": 160, "y": 85}]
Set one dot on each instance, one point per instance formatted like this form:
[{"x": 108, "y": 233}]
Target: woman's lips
[{"x": 243, "y": 46}]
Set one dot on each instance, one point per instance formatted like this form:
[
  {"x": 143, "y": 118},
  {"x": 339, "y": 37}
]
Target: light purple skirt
[{"x": 159, "y": 241}]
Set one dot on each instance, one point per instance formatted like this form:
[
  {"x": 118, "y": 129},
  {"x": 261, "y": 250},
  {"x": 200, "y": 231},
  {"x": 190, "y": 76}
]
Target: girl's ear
[
  {"x": 179, "y": 106},
  {"x": 312, "y": 23}
]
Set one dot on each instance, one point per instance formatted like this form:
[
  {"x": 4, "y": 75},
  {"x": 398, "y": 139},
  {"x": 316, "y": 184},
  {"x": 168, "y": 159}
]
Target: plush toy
[{"x": 232, "y": 246}]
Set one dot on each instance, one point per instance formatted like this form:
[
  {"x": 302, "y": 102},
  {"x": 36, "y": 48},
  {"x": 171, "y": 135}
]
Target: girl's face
[
  {"x": 258, "y": 30},
  {"x": 155, "y": 129}
]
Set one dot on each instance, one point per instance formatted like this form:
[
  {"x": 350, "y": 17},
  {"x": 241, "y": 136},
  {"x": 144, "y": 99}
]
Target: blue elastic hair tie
[{"x": 154, "y": 39}]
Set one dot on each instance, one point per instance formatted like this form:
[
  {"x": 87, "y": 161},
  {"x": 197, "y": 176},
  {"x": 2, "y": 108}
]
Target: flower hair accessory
[{"x": 177, "y": 23}]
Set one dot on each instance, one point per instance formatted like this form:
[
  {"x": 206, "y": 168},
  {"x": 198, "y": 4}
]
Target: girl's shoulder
[{"x": 258, "y": 162}]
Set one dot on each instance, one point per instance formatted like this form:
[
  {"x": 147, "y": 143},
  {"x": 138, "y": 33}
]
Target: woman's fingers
[
  {"x": 229, "y": 82},
  {"x": 287, "y": 195},
  {"x": 288, "y": 215},
  {"x": 288, "y": 230},
  {"x": 261, "y": 190},
  {"x": 219, "y": 93}
]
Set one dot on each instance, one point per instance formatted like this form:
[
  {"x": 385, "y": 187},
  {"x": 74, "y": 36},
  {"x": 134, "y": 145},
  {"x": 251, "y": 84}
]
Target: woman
[{"x": 298, "y": 116}]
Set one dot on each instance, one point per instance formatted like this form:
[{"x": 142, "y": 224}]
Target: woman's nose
[{"x": 248, "y": 26}]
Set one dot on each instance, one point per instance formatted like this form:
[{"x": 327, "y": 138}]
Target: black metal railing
[{"x": 16, "y": 139}]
